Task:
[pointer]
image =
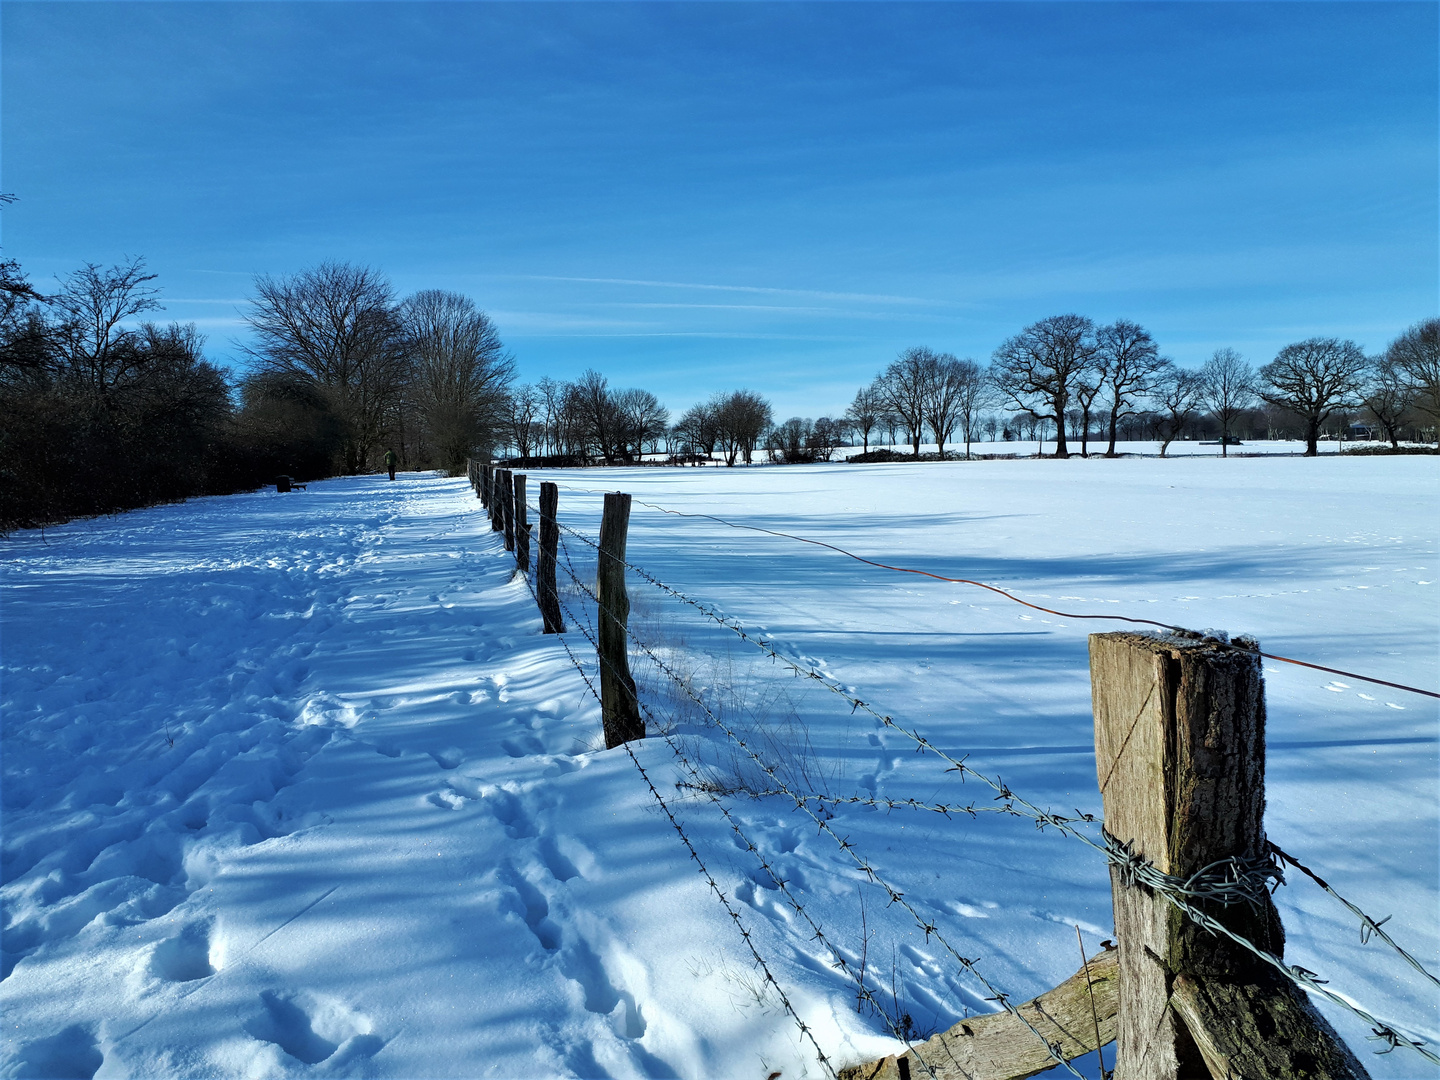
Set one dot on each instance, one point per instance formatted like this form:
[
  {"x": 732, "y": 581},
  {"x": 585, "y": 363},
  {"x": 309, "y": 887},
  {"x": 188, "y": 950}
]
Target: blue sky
[{"x": 692, "y": 197}]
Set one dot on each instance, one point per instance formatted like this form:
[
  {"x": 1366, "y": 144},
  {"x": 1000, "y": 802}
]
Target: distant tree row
[
  {"x": 1066, "y": 374},
  {"x": 104, "y": 410}
]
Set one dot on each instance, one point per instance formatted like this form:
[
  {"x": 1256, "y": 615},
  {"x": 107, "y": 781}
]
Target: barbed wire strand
[
  {"x": 1368, "y": 925},
  {"x": 744, "y": 932},
  {"x": 1011, "y": 596},
  {"x": 781, "y": 883},
  {"x": 1025, "y": 808},
  {"x": 1173, "y": 889},
  {"x": 896, "y": 897}
]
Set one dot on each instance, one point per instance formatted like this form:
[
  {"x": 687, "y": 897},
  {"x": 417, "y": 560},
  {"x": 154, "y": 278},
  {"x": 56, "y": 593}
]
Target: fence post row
[
  {"x": 549, "y": 600},
  {"x": 619, "y": 708},
  {"x": 522, "y": 526},
  {"x": 1180, "y": 757},
  {"x": 507, "y": 508}
]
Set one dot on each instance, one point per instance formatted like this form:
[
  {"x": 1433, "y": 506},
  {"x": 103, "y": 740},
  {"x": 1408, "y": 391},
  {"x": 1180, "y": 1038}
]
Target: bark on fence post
[
  {"x": 522, "y": 526},
  {"x": 507, "y": 509},
  {"x": 1180, "y": 756},
  {"x": 619, "y": 708},
  {"x": 545, "y": 565}
]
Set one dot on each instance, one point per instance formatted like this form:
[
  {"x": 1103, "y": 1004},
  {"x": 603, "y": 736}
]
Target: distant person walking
[{"x": 390, "y": 462}]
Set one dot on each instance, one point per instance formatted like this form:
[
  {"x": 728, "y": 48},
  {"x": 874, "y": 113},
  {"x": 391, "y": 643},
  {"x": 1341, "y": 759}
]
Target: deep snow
[{"x": 293, "y": 785}]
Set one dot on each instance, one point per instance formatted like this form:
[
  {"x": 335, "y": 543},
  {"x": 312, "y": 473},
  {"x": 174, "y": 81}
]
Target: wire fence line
[
  {"x": 719, "y": 894},
  {"x": 1224, "y": 884},
  {"x": 1237, "y": 646},
  {"x": 838, "y": 958},
  {"x": 845, "y": 845},
  {"x": 1011, "y": 803}
]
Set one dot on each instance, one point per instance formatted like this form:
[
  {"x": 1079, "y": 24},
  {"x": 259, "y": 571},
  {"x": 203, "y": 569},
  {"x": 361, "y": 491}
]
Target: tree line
[
  {"x": 104, "y": 409},
  {"x": 1075, "y": 378}
]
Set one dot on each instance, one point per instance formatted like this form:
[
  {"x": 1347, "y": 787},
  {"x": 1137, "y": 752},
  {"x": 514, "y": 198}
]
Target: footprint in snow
[
  {"x": 72, "y": 1053},
  {"x": 187, "y": 956},
  {"x": 449, "y": 757},
  {"x": 312, "y": 1028}
]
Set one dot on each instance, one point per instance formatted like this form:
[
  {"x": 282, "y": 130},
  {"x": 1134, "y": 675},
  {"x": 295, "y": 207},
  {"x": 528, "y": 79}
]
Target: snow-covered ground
[{"x": 294, "y": 785}]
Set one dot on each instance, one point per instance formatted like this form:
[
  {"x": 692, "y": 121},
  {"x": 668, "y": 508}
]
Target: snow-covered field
[{"x": 294, "y": 785}]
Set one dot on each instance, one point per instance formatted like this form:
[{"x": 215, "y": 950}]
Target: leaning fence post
[
  {"x": 545, "y": 593},
  {"x": 1180, "y": 756},
  {"x": 507, "y": 509},
  {"x": 619, "y": 708},
  {"x": 522, "y": 526}
]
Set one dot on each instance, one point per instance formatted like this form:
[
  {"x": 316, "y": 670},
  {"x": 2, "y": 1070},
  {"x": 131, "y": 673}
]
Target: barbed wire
[
  {"x": 781, "y": 883},
  {"x": 929, "y": 928},
  {"x": 1018, "y": 807},
  {"x": 739, "y": 924},
  {"x": 1234, "y": 646},
  {"x": 1173, "y": 890},
  {"x": 1368, "y": 925}
]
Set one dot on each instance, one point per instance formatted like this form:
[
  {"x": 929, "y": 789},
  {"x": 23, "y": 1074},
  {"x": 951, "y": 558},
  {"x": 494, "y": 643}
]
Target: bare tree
[
  {"x": 1313, "y": 378},
  {"x": 865, "y": 412},
  {"x": 1129, "y": 363},
  {"x": 1227, "y": 388},
  {"x": 942, "y": 397},
  {"x": 699, "y": 428},
  {"x": 1038, "y": 368},
  {"x": 975, "y": 393},
  {"x": 744, "y": 419},
  {"x": 336, "y": 327},
  {"x": 1177, "y": 394},
  {"x": 642, "y": 420},
  {"x": 600, "y": 423},
  {"x": 904, "y": 389},
  {"x": 1387, "y": 396},
  {"x": 523, "y": 404},
  {"x": 1416, "y": 354},
  {"x": 552, "y": 396},
  {"x": 93, "y": 304},
  {"x": 461, "y": 375}
]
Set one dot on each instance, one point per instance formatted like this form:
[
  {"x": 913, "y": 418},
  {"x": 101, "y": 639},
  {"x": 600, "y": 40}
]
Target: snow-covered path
[
  {"x": 293, "y": 785},
  {"x": 237, "y": 736}
]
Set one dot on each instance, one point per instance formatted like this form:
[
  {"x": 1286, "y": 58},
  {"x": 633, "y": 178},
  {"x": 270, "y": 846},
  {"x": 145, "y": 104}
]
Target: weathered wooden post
[
  {"x": 507, "y": 509},
  {"x": 1180, "y": 756},
  {"x": 549, "y": 600},
  {"x": 497, "y": 499},
  {"x": 619, "y": 708},
  {"x": 522, "y": 526},
  {"x": 485, "y": 486}
]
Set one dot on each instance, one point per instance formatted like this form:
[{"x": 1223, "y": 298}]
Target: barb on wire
[
  {"x": 1235, "y": 646},
  {"x": 896, "y": 897},
  {"x": 1368, "y": 925}
]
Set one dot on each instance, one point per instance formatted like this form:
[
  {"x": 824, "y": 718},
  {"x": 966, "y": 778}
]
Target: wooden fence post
[
  {"x": 485, "y": 486},
  {"x": 497, "y": 489},
  {"x": 549, "y": 600},
  {"x": 507, "y": 509},
  {"x": 522, "y": 526},
  {"x": 619, "y": 708},
  {"x": 1180, "y": 756}
]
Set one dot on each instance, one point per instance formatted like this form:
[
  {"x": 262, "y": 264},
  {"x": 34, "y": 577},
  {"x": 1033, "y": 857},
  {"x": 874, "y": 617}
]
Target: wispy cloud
[{"x": 877, "y": 298}]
